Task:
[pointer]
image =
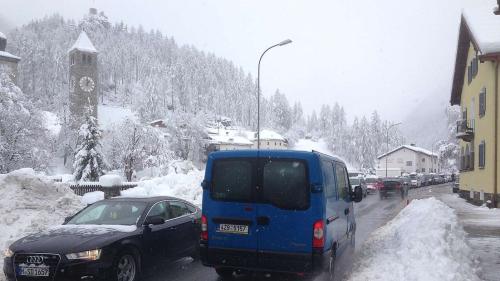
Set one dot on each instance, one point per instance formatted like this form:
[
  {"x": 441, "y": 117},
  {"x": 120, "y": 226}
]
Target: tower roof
[{"x": 83, "y": 44}]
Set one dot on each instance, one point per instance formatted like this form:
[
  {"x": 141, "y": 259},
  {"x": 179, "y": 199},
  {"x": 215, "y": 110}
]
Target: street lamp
[
  {"x": 387, "y": 141},
  {"x": 282, "y": 43}
]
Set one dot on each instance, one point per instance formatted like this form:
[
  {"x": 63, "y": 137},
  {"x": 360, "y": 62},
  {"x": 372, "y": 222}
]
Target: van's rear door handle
[{"x": 263, "y": 220}]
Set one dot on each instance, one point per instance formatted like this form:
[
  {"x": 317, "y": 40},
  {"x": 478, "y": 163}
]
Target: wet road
[{"x": 371, "y": 213}]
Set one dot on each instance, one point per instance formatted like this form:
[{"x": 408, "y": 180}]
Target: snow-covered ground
[
  {"x": 425, "y": 241},
  {"x": 31, "y": 203},
  {"x": 111, "y": 115}
]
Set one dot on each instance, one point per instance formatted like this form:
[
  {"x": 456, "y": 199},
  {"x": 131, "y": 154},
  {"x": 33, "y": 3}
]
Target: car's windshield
[
  {"x": 110, "y": 213},
  {"x": 354, "y": 181}
]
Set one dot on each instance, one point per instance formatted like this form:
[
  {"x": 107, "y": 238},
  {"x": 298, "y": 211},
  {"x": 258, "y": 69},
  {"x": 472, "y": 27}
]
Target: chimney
[
  {"x": 93, "y": 11},
  {"x": 412, "y": 144},
  {"x": 3, "y": 42},
  {"x": 496, "y": 10}
]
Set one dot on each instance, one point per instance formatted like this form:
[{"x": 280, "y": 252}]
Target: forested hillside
[{"x": 152, "y": 75}]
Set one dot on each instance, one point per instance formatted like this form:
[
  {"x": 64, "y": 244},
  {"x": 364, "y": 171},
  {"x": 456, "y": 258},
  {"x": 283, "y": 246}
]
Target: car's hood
[{"x": 72, "y": 238}]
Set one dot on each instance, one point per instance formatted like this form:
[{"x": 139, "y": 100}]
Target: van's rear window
[
  {"x": 285, "y": 184},
  {"x": 232, "y": 180}
]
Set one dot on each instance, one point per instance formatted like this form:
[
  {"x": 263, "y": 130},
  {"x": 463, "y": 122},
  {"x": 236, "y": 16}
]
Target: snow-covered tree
[
  {"x": 89, "y": 162},
  {"x": 23, "y": 138}
]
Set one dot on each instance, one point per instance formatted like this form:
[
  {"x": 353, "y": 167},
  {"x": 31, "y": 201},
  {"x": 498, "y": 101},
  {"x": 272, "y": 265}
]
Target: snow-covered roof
[
  {"x": 83, "y": 44},
  {"x": 2, "y": 35},
  {"x": 9, "y": 55},
  {"x": 269, "y": 135},
  {"x": 410, "y": 147},
  {"x": 483, "y": 25}
]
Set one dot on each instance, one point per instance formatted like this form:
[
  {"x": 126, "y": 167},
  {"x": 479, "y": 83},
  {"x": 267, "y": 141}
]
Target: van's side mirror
[
  {"x": 357, "y": 195},
  {"x": 315, "y": 188},
  {"x": 205, "y": 184}
]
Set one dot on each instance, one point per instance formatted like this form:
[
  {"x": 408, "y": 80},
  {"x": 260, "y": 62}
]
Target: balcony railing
[{"x": 465, "y": 130}]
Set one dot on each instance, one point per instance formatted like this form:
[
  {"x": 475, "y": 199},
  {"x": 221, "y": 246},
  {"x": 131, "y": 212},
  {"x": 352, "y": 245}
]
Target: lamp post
[
  {"x": 282, "y": 43},
  {"x": 387, "y": 141}
]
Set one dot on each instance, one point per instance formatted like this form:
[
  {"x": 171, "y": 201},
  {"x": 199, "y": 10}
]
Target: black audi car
[{"x": 111, "y": 239}]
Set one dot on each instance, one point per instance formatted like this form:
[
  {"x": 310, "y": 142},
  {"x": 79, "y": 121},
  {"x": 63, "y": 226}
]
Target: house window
[
  {"x": 72, "y": 59},
  {"x": 89, "y": 59},
  {"x": 482, "y": 154},
  {"x": 409, "y": 163},
  {"x": 475, "y": 67},
  {"x": 469, "y": 74},
  {"x": 423, "y": 160},
  {"x": 482, "y": 102},
  {"x": 423, "y": 170}
]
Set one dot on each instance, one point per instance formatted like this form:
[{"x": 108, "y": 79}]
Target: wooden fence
[{"x": 81, "y": 189}]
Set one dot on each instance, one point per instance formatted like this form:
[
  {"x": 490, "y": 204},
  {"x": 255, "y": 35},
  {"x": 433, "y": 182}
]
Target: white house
[
  {"x": 408, "y": 159},
  {"x": 269, "y": 140},
  {"x": 221, "y": 142}
]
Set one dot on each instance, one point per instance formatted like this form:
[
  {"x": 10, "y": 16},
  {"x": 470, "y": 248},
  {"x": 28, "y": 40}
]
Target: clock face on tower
[{"x": 87, "y": 84}]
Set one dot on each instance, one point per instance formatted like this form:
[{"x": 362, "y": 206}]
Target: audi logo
[{"x": 34, "y": 259}]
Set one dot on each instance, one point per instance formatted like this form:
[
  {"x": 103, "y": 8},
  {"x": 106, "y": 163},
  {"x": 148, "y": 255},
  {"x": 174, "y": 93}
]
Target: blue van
[{"x": 276, "y": 211}]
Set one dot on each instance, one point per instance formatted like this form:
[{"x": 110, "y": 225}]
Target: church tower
[{"x": 83, "y": 74}]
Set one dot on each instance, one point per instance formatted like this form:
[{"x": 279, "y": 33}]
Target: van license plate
[{"x": 233, "y": 228}]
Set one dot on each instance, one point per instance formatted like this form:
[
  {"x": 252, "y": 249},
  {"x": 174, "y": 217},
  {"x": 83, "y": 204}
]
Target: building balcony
[{"x": 465, "y": 130}]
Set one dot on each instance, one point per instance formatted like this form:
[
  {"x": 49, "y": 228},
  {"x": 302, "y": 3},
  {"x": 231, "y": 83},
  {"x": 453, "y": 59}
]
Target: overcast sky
[{"x": 366, "y": 55}]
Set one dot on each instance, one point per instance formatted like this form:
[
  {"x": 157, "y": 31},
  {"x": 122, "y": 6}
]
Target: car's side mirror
[
  {"x": 67, "y": 219},
  {"x": 154, "y": 220},
  {"x": 357, "y": 195}
]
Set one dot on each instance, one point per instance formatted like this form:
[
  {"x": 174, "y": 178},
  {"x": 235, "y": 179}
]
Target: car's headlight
[
  {"x": 90, "y": 255},
  {"x": 8, "y": 253}
]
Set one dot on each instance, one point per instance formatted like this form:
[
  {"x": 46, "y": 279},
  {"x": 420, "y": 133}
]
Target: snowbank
[
  {"x": 424, "y": 242},
  {"x": 182, "y": 185},
  {"x": 31, "y": 203}
]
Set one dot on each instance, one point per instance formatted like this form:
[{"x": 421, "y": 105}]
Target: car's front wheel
[
  {"x": 224, "y": 273},
  {"x": 127, "y": 267}
]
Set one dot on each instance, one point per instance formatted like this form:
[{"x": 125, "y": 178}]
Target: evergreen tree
[{"x": 89, "y": 162}]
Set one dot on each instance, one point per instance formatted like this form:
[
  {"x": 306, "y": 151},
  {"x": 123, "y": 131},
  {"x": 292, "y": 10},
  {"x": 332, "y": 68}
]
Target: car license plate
[
  {"x": 233, "y": 228},
  {"x": 33, "y": 271}
]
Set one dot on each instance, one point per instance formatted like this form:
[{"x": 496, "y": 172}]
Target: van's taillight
[
  {"x": 319, "y": 234},
  {"x": 204, "y": 228}
]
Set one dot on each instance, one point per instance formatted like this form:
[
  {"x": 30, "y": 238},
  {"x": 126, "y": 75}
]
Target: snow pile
[
  {"x": 92, "y": 197},
  {"x": 31, "y": 203},
  {"x": 181, "y": 185},
  {"x": 471, "y": 214},
  {"x": 424, "y": 242}
]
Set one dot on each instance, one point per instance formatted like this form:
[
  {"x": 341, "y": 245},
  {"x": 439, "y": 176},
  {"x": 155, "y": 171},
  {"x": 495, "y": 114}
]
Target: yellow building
[{"x": 476, "y": 89}]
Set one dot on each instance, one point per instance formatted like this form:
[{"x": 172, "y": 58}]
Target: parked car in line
[
  {"x": 392, "y": 187},
  {"x": 355, "y": 174},
  {"x": 415, "y": 180},
  {"x": 112, "y": 239},
  {"x": 372, "y": 183},
  {"x": 426, "y": 180},
  {"x": 406, "y": 181},
  {"x": 253, "y": 199},
  {"x": 359, "y": 181}
]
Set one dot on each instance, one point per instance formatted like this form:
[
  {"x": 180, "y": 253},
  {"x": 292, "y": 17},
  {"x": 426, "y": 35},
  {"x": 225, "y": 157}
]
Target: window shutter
[
  {"x": 482, "y": 102},
  {"x": 482, "y": 154}
]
